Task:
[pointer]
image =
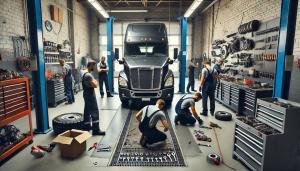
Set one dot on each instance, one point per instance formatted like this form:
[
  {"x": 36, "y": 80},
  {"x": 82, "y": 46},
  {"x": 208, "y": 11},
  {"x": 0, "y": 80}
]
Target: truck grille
[{"x": 145, "y": 78}]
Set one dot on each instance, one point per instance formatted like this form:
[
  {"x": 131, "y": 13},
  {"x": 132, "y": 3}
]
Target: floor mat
[{"x": 129, "y": 152}]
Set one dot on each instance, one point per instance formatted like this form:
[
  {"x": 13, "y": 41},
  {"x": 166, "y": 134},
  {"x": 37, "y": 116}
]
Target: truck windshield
[{"x": 146, "y": 49}]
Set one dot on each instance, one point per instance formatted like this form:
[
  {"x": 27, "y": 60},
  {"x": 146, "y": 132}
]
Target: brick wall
[
  {"x": 294, "y": 93},
  {"x": 11, "y": 24},
  {"x": 225, "y": 16}
]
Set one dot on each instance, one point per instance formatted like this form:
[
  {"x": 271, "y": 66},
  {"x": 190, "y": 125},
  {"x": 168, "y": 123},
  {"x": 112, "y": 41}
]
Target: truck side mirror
[
  {"x": 116, "y": 53},
  {"x": 175, "y": 53}
]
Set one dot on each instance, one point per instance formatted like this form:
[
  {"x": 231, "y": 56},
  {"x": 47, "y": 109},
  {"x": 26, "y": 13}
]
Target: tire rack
[
  {"x": 14, "y": 105},
  {"x": 55, "y": 92},
  {"x": 278, "y": 150},
  {"x": 239, "y": 98}
]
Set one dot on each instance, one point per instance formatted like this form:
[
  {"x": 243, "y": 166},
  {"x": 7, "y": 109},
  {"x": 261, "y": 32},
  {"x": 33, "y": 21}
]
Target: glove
[{"x": 200, "y": 121}]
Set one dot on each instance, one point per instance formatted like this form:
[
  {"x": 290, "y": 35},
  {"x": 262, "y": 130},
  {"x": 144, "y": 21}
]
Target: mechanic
[
  {"x": 148, "y": 118},
  {"x": 68, "y": 84},
  {"x": 191, "y": 83},
  {"x": 103, "y": 78},
  {"x": 207, "y": 85},
  {"x": 90, "y": 102},
  {"x": 184, "y": 115},
  {"x": 220, "y": 70}
]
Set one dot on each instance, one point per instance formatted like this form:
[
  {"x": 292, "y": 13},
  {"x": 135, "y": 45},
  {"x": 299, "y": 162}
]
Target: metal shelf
[{"x": 57, "y": 63}]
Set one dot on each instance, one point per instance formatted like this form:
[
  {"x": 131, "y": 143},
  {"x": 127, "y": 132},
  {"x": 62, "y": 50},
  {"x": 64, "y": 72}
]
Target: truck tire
[
  {"x": 67, "y": 121},
  {"x": 223, "y": 116}
]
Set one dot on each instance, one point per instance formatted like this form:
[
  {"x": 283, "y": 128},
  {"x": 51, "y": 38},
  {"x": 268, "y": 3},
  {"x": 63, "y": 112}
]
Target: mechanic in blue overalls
[
  {"x": 148, "y": 118},
  {"x": 183, "y": 107},
  {"x": 191, "y": 83},
  {"x": 91, "y": 111},
  {"x": 103, "y": 78},
  {"x": 220, "y": 70},
  {"x": 68, "y": 81},
  {"x": 207, "y": 85}
]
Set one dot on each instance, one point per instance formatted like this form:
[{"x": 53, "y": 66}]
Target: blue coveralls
[
  {"x": 103, "y": 78},
  {"x": 68, "y": 84},
  {"x": 151, "y": 135},
  {"x": 218, "y": 68},
  {"x": 191, "y": 83},
  {"x": 208, "y": 90},
  {"x": 184, "y": 115},
  {"x": 90, "y": 107}
]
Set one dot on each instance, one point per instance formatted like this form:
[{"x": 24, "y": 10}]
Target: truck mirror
[
  {"x": 116, "y": 53},
  {"x": 175, "y": 53}
]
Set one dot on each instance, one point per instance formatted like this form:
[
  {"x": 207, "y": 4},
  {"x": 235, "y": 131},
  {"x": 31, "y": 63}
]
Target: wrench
[
  {"x": 160, "y": 158},
  {"x": 148, "y": 159},
  {"x": 169, "y": 155},
  {"x": 132, "y": 158},
  {"x": 136, "y": 158},
  {"x": 151, "y": 159},
  {"x": 142, "y": 159},
  {"x": 156, "y": 159},
  {"x": 174, "y": 155},
  {"x": 124, "y": 159},
  {"x": 165, "y": 157},
  {"x": 128, "y": 159}
]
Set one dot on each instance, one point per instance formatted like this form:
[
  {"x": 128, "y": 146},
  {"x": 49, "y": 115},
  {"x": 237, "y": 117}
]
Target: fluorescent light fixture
[
  {"x": 129, "y": 11},
  {"x": 99, "y": 8},
  {"x": 192, "y": 8}
]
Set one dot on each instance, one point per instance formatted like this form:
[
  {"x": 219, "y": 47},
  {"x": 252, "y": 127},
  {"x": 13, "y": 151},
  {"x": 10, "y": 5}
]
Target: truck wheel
[
  {"x": 223, "y": 116},
  {"x": 67, "y": 121}
]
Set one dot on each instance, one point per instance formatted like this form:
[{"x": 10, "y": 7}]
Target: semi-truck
[{"x": 146, "y": 75}]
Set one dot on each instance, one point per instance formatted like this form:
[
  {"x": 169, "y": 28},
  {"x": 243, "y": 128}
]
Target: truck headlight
[
  {"x": 122, "y": 82},
  {"x": 170, "y": 81}
]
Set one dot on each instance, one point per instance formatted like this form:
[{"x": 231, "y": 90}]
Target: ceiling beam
[
  {"x": 158, "y": 3},
  {"x": 105, "y": 3},
  {"x": 117, "y": 3}
]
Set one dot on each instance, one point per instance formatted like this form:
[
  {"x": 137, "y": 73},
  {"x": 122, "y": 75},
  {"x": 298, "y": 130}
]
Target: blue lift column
[
  {"x": 182, "y": 53},
  {"x": 36, "y": 41},
  {"x": 286, "y": 46},
  {"x": 110, "y": 52}
]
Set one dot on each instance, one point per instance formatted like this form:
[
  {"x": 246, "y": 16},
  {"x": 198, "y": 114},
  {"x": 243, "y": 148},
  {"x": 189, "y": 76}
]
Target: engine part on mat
[
  {"x": 67, "y": 121},
  {"x": 223, "y": 116},
  {"x": 204, "y": 145},
  {"x": 214, "y": 159},
  {"x": 231, "y": 35},
  {"x": 249, "y": 27}
]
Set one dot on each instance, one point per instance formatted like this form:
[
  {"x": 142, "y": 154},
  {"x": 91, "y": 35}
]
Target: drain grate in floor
[{"x": 130, "y": 153}]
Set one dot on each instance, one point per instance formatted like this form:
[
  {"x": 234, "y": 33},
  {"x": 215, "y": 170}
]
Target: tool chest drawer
[
  {"x": 13, "y": 99},
  {"x": 55, "y": 92}
]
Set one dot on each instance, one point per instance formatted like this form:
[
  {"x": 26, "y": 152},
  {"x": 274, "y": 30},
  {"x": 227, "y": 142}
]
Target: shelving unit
[{"x": 14, "y": 105}]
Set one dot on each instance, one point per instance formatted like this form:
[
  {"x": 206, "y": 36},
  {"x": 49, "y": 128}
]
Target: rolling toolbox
[
  {"x": 55, "y": 92},
  {"x": 270, "y": 141}
]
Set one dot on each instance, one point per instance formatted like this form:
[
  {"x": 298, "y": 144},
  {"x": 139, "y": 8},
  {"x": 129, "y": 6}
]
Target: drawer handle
[
  {"x": 259, "y": 163},
  {"x": 249, "y": 138},
  {"x": 270, "y": 108},
  {"x": 249, "y": 146},
  {"x": 269, "y": 114}
]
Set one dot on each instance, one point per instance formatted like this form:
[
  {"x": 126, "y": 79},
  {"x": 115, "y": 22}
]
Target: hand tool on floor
[
  {"x": 94, "y": 146},
  {"x": 47, "y": 148},
  {"x": 198, "y": 131},
  {"x": 214, "y": 159},
  {"x": 205, "y": 145},
  {"x": 174, "y": 155},
  {"x": 203, "y": 137},
  {"x": 37, "y": 152},
  {"x": 103, "y": 147},
  {"x": 169, "y": 155},
  {"x": 206, "y": 127},
  {"x": 214, "y": 125}
]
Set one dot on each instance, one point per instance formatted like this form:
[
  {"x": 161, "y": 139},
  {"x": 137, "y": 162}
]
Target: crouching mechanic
[
  {"x": 184, "y": 115},
  {"x": 148, "y": 118}
]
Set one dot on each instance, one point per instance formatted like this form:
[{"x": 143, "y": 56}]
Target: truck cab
[{"x": 146, "y": 75}]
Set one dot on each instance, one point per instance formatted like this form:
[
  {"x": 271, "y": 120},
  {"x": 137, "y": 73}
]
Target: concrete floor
[{"x": 24, "y": 161}]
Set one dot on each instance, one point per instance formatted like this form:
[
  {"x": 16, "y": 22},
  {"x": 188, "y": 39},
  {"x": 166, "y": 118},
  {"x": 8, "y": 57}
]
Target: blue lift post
[
  {"x": 36, "y": 40},
  {"x": 286, "y": 46},
  {"x": 182, "y": 54},
  {"x": 110, "y": 52}
]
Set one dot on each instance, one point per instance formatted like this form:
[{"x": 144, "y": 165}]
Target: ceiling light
[
  {"x": 129, "y": 11},
  {"x": 192, "y": 8},
  {"x": 99, "y": 8}
]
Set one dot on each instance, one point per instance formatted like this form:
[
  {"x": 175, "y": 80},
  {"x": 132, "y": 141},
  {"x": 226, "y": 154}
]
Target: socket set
[{"x": 148, "y": 158}]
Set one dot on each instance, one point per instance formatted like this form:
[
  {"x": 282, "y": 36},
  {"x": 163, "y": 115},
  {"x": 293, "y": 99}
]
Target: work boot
[
  {"x": 188, "y": 92},
  {"x": 98, "y": 132},
  {"x": 87, "y": 127},
  {"x": 102, "y": 95},
  {"x": 176, "y": 120},
  {"x": 143, "y": 141},
  {"x": 212, "y": 113},
  {"x": 200, "y": 121},
  {"x": 109, "y": 95}
]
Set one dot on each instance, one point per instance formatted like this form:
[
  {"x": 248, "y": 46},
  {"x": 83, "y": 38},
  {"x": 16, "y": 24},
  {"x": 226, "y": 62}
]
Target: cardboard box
[{"x": 72, "y": 143}]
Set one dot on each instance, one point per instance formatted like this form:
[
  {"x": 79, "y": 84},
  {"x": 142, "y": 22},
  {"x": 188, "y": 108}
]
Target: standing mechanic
[
  {"x": 191, "y": 83},
  {"x": 103, "y": 78},
  {"x": 148, "y": 118},
  {"x": 67, "y": 76},
  {"x": 207, "y": 84},
  {"x": 184, "y": 115},
  {"x": 220, "y": 70},
  {"x": 90, "y": 102}
]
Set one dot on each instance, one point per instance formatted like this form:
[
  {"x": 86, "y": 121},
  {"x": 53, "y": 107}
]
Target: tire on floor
[
  {"x": 67, "y": 121},
  {"x": 223, "y": 116}
]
